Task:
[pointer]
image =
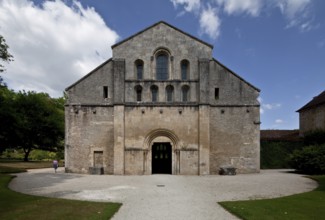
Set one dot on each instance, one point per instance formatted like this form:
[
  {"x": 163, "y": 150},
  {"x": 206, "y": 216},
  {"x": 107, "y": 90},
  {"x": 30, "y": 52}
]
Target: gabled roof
[
  {"x": 161, "y": 22},
  {"x": 236, "y": 75},
  {"x": 316, "y": 101}
]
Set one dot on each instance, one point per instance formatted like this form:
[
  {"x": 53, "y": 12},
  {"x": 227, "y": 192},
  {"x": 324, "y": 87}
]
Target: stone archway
[{"x": 166, "y": 137}]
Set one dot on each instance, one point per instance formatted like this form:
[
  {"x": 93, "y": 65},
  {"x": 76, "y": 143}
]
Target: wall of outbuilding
[{"x": 312, "y": 119}]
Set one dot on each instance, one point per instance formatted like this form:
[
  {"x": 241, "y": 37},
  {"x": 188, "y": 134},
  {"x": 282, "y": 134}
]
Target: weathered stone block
[
  {"x": 227, "y": 170},
  {"x": 96, "y": 170}
]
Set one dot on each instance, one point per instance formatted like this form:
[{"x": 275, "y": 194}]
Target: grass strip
[
  {"x": 14, "y": 205},
  {"x": 309, "y": 205}
]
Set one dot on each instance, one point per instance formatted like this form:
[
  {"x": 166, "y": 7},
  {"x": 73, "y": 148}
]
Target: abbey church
[{"x": 162, "y": 105}]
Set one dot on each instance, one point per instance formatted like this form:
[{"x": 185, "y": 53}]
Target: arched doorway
[
  {"x": 162, "y": 154},
  {"x": 161, "y": 158}
]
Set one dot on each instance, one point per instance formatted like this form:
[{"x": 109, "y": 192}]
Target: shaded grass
[
  {"x": 14, "y": 166},
  {"x": 21, "y": 165},
  {"x": 14, "y": 205},
  {"x": 310, "y": 205}
]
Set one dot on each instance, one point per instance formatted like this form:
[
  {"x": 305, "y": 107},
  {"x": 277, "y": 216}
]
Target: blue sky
[{"x": 277, "y": 45}]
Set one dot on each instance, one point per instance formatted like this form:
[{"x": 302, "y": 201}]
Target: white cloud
[
  {"x": 53, "y": 44},
  {"x": 279, "y": 121},
  {"x": 271, "y": 106},
  {"x": 251, "y": 7},
  {"x": 210, "y": 22},
  {"x": 267, "y": 107},
  {"x": 189, "y": 5},
  {"x": 297, "y": 13},
  {"x": 291, "y": 8}
]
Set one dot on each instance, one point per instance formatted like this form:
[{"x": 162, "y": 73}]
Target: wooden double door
[{"x": 161, "y": 158}]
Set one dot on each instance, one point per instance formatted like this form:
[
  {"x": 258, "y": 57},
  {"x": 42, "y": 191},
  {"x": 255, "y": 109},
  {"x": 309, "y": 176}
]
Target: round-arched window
[
  {"x": 154, "y": 93},
  {"x": 139, "y": 69},
  {"x": 138, "y": 91},
  {"x": 185, "y": 93},
  {"x": 185, "y": 70},
  {"x": 169, "y": 93},
  {"x": 162, "y": 66}
]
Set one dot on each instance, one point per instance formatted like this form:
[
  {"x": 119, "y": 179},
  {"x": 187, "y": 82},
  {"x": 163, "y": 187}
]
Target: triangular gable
[
  {"x": 162, "y": 22},
  {"x": 239, "y": 77},
  {"x": 91, "y": 72}
]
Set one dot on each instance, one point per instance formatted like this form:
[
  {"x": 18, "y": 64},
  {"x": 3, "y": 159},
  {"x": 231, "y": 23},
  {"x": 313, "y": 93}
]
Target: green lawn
[
  {"x": 14, "y": 205},
  {"x": 14, "y": 166},
  {"x": 310, "y": 205}
]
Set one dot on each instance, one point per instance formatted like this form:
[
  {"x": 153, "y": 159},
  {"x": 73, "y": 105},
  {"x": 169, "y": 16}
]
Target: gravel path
[{"x": 165, "y": 197}]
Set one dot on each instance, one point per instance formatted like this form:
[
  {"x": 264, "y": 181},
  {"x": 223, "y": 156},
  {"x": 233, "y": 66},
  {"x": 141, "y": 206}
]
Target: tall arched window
[
  {"x": 138, "y": 91},
  {"x": 139, "y": 69},
  {"x": 185, "y": 67},
  {"x": 185, "y": 93},
  {"x": 169, "y": 93},
  {"x": 162, "y": 66},
  {"x": 154, "y": 93}
]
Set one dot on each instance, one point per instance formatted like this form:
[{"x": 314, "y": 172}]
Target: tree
[
  {"x": 4, "y": 54},
  {"x": 39, "y": 122},
  {"x": 7, "y": 117}
]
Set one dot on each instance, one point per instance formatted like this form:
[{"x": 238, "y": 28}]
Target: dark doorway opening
[{"x": 161, "y": 158}]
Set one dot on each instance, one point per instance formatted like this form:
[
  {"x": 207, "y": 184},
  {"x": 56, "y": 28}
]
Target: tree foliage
[
  {"x": 34, "y": 121},
  {"x": 315, "y": 137},
  {"x": 7, "y": 117},
  {"x": 309, "y": 160},
  {"x": 4, "y": 54}
]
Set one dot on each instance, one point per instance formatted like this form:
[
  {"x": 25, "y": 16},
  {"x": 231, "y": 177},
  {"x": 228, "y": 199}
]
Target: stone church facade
[{"x": 162, "y": 104}]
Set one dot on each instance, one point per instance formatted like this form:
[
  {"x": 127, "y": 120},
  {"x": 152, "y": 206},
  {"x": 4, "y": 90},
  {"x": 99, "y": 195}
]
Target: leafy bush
[
  {"x": 13, "y": 154},
  {"x": 315, "y": 137},
  {"x": 35, "y": 155},
  {"x": 309, "y": 160}
]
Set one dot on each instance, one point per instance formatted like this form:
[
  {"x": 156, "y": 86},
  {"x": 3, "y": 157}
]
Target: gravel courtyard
[{"x": 163, "y": 196}]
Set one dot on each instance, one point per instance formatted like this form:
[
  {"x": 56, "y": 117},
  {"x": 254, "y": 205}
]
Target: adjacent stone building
[
  {"x": 312, "y": 115},
  {"x": 162, "y": 104}
]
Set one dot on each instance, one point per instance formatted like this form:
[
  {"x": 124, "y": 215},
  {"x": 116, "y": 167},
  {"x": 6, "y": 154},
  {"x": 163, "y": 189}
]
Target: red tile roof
[{"x": 280, "y": 135}]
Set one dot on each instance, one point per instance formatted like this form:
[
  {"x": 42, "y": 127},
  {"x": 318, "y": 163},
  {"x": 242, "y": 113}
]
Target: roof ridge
[
  {"x": 169, "y": 25},
  {"x": 316, "y": 101}
]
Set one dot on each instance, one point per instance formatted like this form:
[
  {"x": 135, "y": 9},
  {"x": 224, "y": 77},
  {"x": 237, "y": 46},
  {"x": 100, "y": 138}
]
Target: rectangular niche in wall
[
  {"x": 216, "y": 93},
  {"x": 105, "y": 92},
  {"x": 98, "y": 159}
]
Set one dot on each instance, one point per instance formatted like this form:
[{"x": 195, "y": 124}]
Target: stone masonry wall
[
  {"x": 234, "y": 138},
  {"x": 141, "y": 121},
  {"x": 90, "y": 89},
  {"x": 144, "y": 46},
  {"x": 88, "y": 129},
  {"x": 232, "y": 89},
  {"x": 312, "y": 119}
]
